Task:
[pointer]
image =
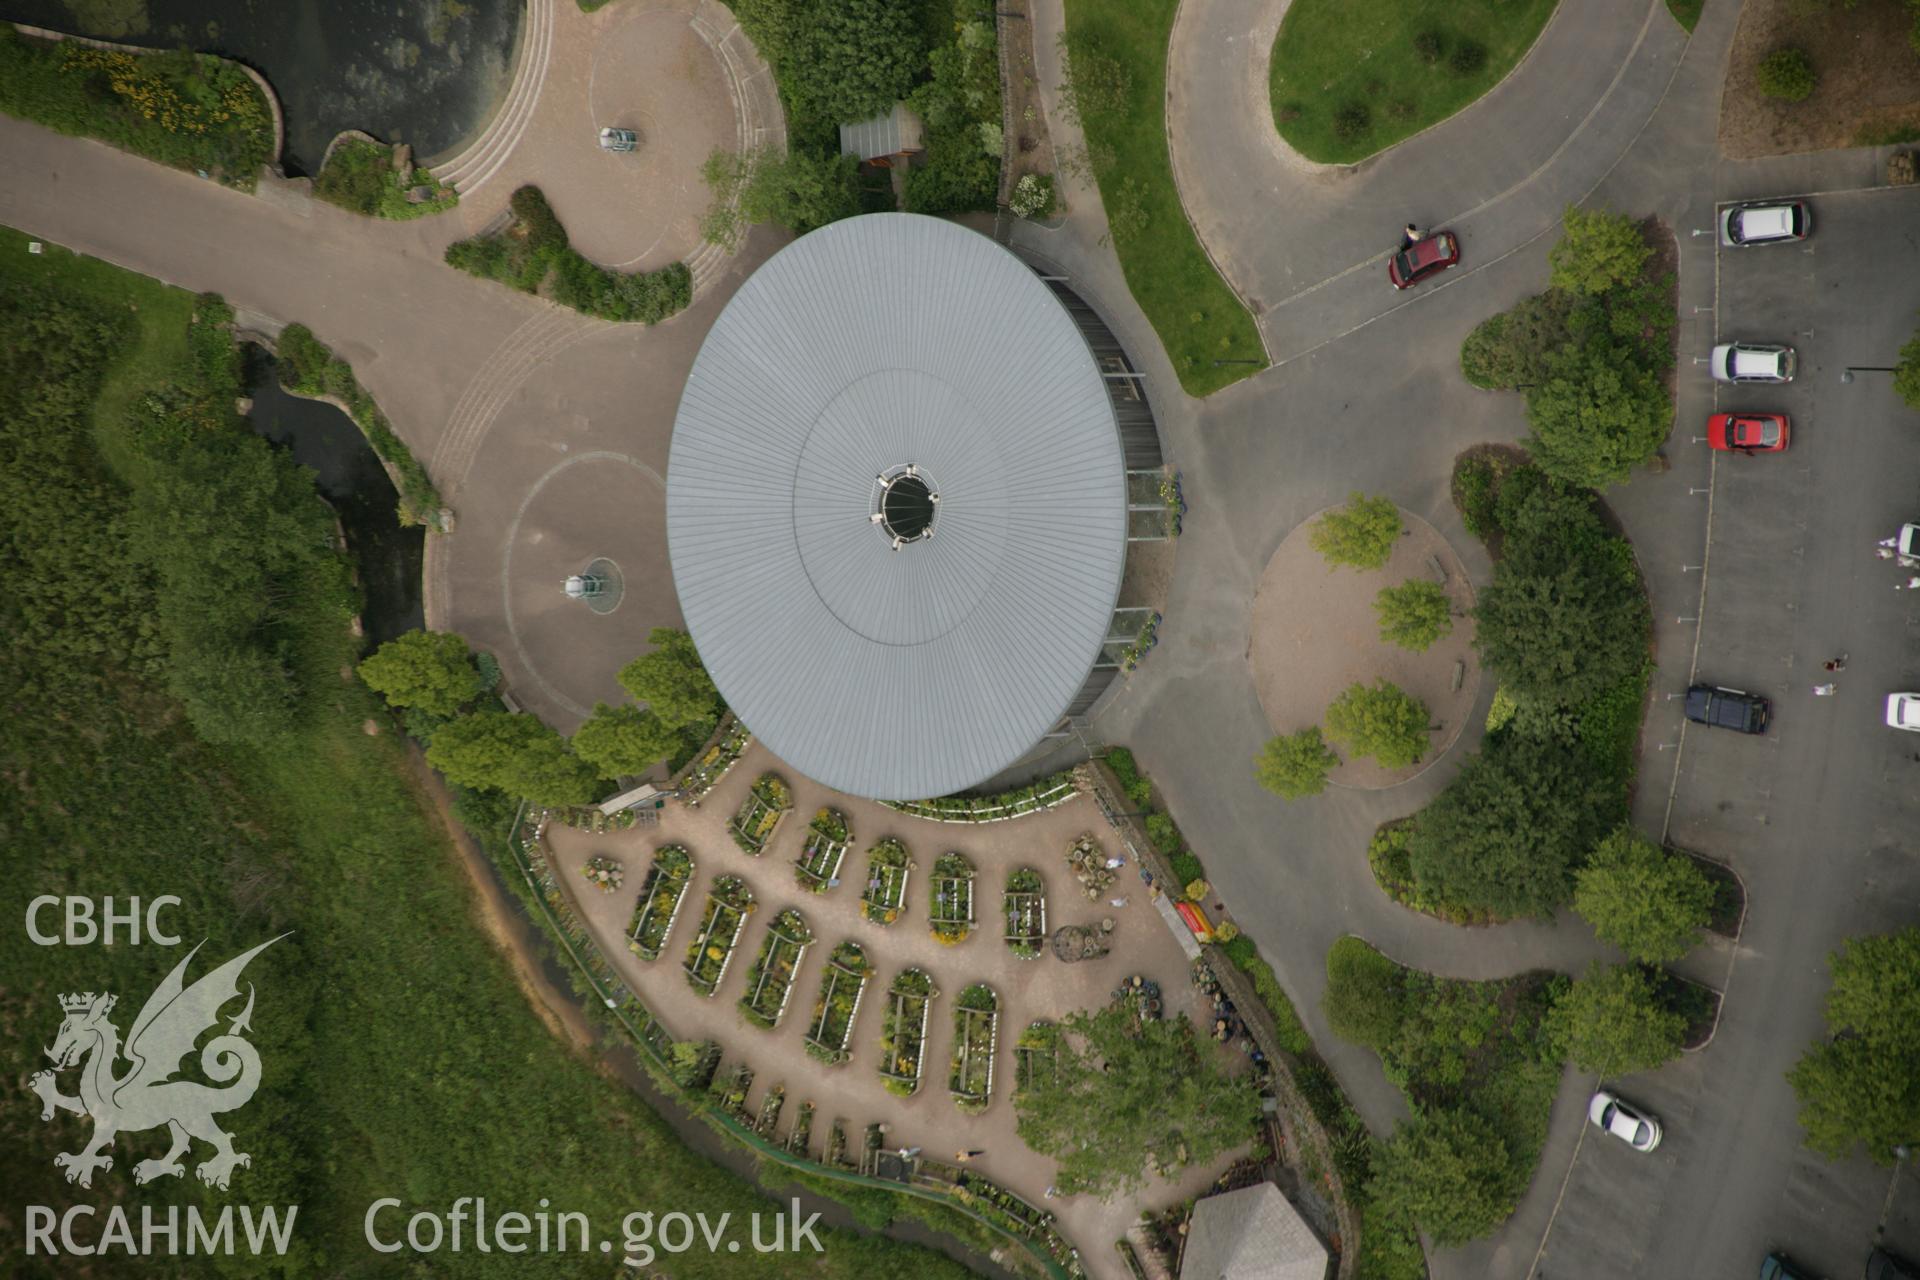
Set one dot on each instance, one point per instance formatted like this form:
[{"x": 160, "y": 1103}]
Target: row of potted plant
[
  {"x": 770, "y": 980},
  {"x": 728, "y": 903},
  {"x": 829, "y": 836},
  {"x": 903, "y": 1036},
  {"x": 889, "y": 866},
  {"x": 767, "y": 802},
  {"x": 660, "y": 901},
  {"x": 1024, "y": 905},
  {"x": 976, "y": 1033},
  {"x": 950, "y": 894},
  {"x": 1045, "y": 793},
  {"x": 841, "y": 986}
]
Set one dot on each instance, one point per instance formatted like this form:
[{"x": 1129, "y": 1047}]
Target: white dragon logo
[{"x": 147, "y": 1096}]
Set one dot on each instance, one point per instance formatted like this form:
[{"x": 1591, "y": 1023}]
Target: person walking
[
  {"x": 966, "y": 1157},
  {"x": 1412, "y": 233}
]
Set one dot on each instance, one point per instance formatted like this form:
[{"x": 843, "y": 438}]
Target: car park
[
  {"x": 1882, "y": 1265},
  {"x": 1620, "y": 1120},
  {"x": 1423, "y": 259},
  {"x": 1765, "y": 222},
  {"x": 1721, "y": 708},
  {"x": 1777, "y": 1266},
  {"x": 1748, "y": 432},
  {"x": 1903, "y": 711},
  {"x": 1752, "y": 362}
]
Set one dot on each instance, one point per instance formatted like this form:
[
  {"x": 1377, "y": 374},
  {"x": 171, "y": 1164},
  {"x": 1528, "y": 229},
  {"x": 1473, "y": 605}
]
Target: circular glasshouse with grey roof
[{"x": 897, "y": 504}]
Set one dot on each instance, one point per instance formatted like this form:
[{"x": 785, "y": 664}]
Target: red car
[
  {"x": 1428, "y": 256},
  {"x": 1748, "y": 432}
]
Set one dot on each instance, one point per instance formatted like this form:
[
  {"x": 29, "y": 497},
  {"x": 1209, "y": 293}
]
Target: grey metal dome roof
[{"x": 872, "y": 344}]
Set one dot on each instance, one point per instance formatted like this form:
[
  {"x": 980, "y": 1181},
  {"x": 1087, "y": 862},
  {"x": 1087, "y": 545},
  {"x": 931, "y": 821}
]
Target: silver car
[
  {"x": 1612, "y": 1116},
  {"x": 1752, "y": 362},
  {"x": 1764, "y": 222}
]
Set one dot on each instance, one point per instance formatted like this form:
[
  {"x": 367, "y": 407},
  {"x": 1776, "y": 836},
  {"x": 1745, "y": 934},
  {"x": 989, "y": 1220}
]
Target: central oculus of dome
[{"x": 905, "y": 501}]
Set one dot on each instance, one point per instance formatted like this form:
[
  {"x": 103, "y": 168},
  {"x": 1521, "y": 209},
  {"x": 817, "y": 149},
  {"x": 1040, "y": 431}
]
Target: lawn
[
  {"x": 399, "y": 1057},
  {"x": 1209, "y": 335},
  {"x": 1686, "y": 12},
  {"x": 1352, "y": 77}
]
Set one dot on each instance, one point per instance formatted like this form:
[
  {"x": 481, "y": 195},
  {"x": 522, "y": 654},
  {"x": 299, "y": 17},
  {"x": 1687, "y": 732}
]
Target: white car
[
  {"x": 1752, "y": 362},
  {"x": 1610, "y": 1115},
  {"x": 1764, "y": 222},
  {"x": 1910, "y": 540},
  {"x": 1903, "y": 711}
]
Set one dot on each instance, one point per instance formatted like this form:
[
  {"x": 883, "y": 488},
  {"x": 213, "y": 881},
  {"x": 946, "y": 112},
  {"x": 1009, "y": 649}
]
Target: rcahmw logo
[{"x": 145, "y": 1094}]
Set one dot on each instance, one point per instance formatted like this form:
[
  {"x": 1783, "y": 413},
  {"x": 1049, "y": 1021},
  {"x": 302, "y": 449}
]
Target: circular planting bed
[{"x": 1315, "y": 632}]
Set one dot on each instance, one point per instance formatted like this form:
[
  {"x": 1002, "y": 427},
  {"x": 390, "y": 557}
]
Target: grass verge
[
  {"x": 1686, "y": 12},
  {"x": 188, "y": 110},
  {"x": 1210, "y": 337},
  {"x": 1350, "y": 78}
]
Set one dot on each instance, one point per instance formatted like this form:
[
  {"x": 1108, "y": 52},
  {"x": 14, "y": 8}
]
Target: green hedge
[
  {"x": 308, "y": 367},
  {"x": 189, "y": 110},
  {"x": 534, "y": 252},
  {"x": 359, "y": 176}
]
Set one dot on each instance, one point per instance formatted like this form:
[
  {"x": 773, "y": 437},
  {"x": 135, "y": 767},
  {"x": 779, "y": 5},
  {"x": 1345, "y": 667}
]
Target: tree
[
  {"x": 1786, "y": 74},
  {"x": 624, "y": 740},
  {"x": 1906, "y": 375},
  {"x": 852, "y": 59},
  {"x": 1614, "y": 1022},
  {"x": 1505, "y": 836},
  {"x": 1360, "y": 534},
  {"x": 431, "y": 670},
  {"x": 1448, "y": 1170},
  {"x": 1597, "y": 251},
  {"x": 1365, "y": 996},
  {"x": 1862, "y": 1086},
  {"x": 1650, "y": 903},
  {"x": 671, "y": 681},
  {"x": 1382, "y": 721},
  {"x": 512, "y": 753},
  {"x": 799, "y": 190},
  {"x": 1564, "y": 619},
  {"x": 1414, "y": 614},
  {"x": 1295, "y": 764},
  {"x": 1600, "y": 412},
  {"x": 1513, "y": 348},
  {"x": 1127, "y": 1096}
]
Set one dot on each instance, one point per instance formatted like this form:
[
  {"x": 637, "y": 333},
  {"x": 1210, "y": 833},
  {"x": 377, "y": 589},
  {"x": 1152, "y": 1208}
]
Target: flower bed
[
  {"x": 1035, "y": 1054},
  {"x": 730, "y": 1090},
  {"x": 888, "y": 867},
  {"x": 700, "y": 776},
  {"x": 1025, "y": 907},
  {"x": 838, "y": 1004},
  {"x": 770, "y": 1111},
  {"x": 950, "y": 899},
  {"x": 767, "y": 802},
  {"x": 828, "y": 837},
  {"x": 604, "y": 873},
  {"x": 802, "y": 1132},
  {"x": 770, "y": 981},
  {"x": 728, "y": 903},
  {"x": 1055, "y": 789},
  {"x": 660, "y": 901},
  {"x": 976, "y": 1034},
  {"x": 903, "y": 1037}
]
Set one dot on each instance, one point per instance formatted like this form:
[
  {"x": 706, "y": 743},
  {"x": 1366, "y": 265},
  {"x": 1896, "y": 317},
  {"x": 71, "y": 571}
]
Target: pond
[
  {"x": 386, "y": 555},
  {"x": 425, "y": 72}
]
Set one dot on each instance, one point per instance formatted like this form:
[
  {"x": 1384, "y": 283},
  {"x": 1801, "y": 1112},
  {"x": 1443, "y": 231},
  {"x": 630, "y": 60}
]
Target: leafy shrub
[
  {"x": 1415, "y": 614},
  {"x": 537, "y": 220},
  {"x": 1475, "y": 485},
  {"x": 1032, "y": 196},
  {"x": 1296, "y": 765},
  {"x": 1352, "y": 121},
  {"x": 1360, "y": 534},
  {"x": 1467, "y": 57},
  {"x": 1382, "y": 721},
  {"x": 1164, "y": 834},
  {"x": 1448, "y": 1170},
  {"x": 1364, "y": 995},
  {"x": 1615, "y": 1021},
  {"x": 1186, "y": 867},
  {"x": 1597, "y": 251},
  {"x": 1786, "y": 74}
]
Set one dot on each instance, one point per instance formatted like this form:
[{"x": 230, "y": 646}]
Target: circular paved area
[{"x": 1315, "y": 632}]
